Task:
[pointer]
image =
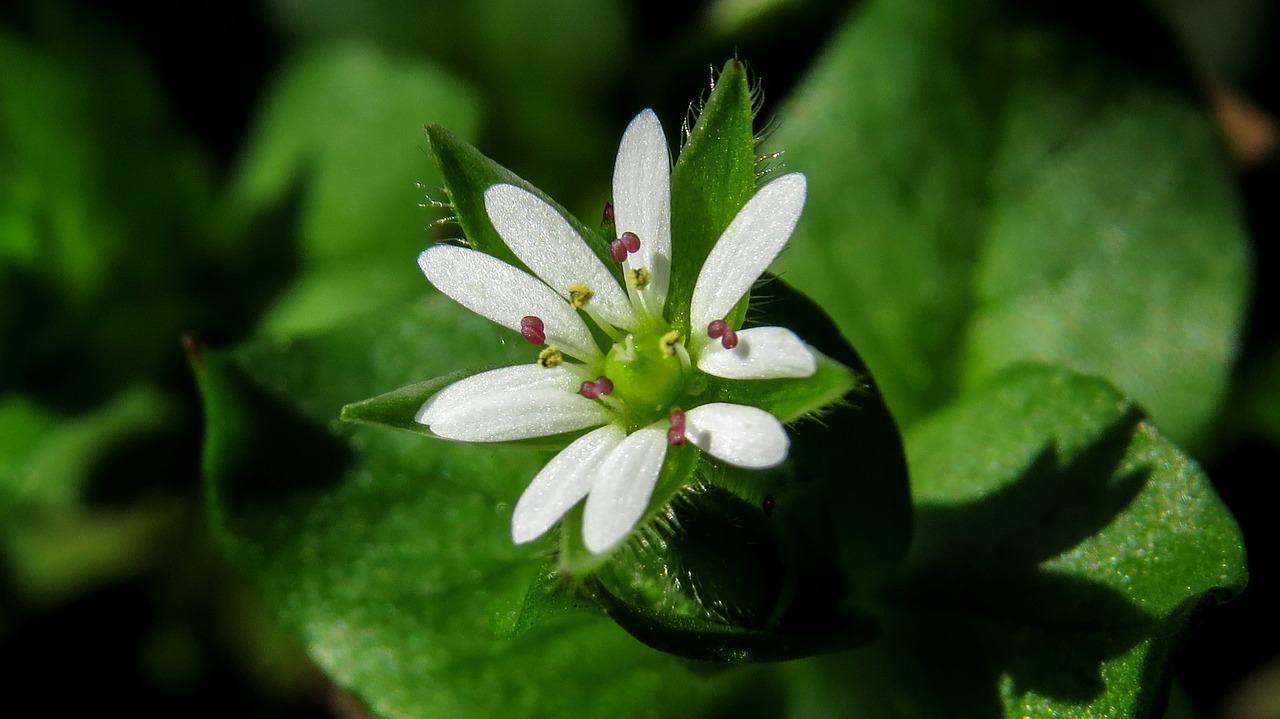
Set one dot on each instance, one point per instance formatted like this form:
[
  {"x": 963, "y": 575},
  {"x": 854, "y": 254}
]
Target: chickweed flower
[{"x": 607, "y": 359}]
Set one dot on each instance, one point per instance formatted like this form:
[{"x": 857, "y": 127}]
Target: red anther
[
  {"x": 618, "y": 251},
  {"x": 675, "y": 435},
  {"x": 768, "y": 505},
  {"x": 608, "y": 214},
  {"x": 717, "y": 328},
  {"x": 532, "y": 329},
  {"x": 729, "y": 340},
  {"x": 676, "y": 419},
  {"x": 604, "y": 385},
  {"x": 631, "y": 241},
  {"x": 589, "y": 390}
]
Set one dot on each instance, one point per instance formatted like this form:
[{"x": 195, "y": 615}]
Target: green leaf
[
  {"x": 391, "y": 555},
  {"x": 988, "y": 188},
  {"x": 713, "y": 178},
  {"x": 1062, "y": 547}
]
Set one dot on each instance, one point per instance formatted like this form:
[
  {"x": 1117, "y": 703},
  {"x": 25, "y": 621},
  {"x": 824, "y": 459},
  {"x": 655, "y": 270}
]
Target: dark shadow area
[
  {"x": 983, "y": 604},
  {"x": 257, "y": 448}
]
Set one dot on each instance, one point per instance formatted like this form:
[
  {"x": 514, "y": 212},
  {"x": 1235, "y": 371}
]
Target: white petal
[
  {"x": 492, "y": 288},
  {"x": 621, "y": 493},
  {"x": 740, "y": 435},
  {"x": 642, "y": 204},
  {"x": 746, "y": 249},
  {"x": 545, "y": 241},
  {"x": 516, "y": 378},
  {"x": 511, "y": 403},
  {"x": 762, "y": 353},
  {"x": 562, "y": 483}
]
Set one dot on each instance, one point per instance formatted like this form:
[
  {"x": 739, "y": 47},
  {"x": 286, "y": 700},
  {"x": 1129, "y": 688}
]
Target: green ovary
[{"x": 648, "y": 375}]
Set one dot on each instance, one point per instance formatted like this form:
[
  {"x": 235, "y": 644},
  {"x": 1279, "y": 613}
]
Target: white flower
[{"x": 633, "y": 393}]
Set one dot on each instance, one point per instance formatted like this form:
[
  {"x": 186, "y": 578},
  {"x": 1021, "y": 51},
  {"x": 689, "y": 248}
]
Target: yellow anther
[
  {"x": 550, "y": 356},
  {"x": 668, "y": 343},
  {"x": 640, "y": 278},
  {"x": 579, "y": 295}
]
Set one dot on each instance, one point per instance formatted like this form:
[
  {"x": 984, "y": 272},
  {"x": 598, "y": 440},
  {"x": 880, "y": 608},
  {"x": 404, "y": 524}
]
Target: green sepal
[
  {"x": 677, "y": 470},
  {"x": 712, "y": 179},
  {"x": 467, "y": 173}
]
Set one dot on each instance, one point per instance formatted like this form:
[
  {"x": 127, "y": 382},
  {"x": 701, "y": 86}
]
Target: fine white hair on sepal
[
  {"x": 545, "y": 241},
  {"x": 566, "y": 479},
  {"x": 493, "y": 289},
  {"x": 748, "y": 246},
  {"x": 621, "y": 494},
  {"x": 642, "y": 205},
  {"x": 736, "y": 434},
  {"x": 761, "y": 353}
]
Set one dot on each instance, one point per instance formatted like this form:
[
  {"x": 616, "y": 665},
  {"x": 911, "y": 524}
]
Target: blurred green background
[{"x": 238, "y": 169}]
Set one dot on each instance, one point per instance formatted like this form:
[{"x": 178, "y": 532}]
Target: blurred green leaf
[
  {"x": 548, "y": 70},
  {"x": 344, "y": 123},
  {"x": 1062, "y": 547},
  {"x": 54, "y": 544},
  {"x": 390, "y": 554},
  {"x": 99, "y": 198},
  {"x": 47, "y": 459},
  {"x": 987, "y": 188}
]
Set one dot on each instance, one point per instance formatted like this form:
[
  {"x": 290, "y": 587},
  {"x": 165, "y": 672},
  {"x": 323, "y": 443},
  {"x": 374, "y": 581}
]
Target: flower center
[{"x": 648, "y": 373}]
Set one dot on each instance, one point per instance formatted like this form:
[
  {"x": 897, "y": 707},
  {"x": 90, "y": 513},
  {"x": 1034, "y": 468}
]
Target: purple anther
[
  {"x": 589, "y": 390},
  {"x": 630, "y": 241},
  {"x": 532, "y": 329},
  {"x": 608, "y": 213},
  {"x": 604, "y": 385},
  {"x": 675, "y": 435},
  {"x": 729, "y": 340},
  {"x": 768, "y": 505},
  {"x": 717, "y": 328},
  {"x": 618, "y": 251}
]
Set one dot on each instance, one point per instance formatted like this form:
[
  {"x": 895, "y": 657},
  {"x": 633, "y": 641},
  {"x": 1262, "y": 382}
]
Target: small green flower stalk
[{"x": 685, "y": 509}]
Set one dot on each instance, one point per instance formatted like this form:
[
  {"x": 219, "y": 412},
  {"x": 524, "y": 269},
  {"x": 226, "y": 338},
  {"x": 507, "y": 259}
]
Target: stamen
[
  {"x": 627, "y": 243},
  {"x": 675, "y": 434},
  {"x": 607, "y": 218},
  {"x": 630, "y": 241},
  {"x": 640, "y": 278},
  {"x": 604, "y": 385},
  {"x": 768, "y": 505},
  {"x": 668, "y": 343},
  {"x": 601, "y": 386},
  {"x": 719, "y": 329},
  {"x": 532, "y": 329},
  {"x": 579, "y": 295},
  {"x": 550, "y": 356}
]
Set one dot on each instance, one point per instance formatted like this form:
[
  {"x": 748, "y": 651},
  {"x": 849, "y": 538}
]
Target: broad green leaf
[
  {"x": 391, "y": 554},
  {"x": 341, "y": 131},
  {"x": 1062, "y": 546},
  {"x": 987, "y": 188}
]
